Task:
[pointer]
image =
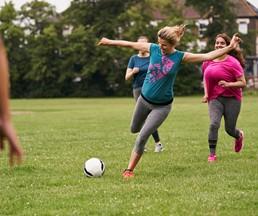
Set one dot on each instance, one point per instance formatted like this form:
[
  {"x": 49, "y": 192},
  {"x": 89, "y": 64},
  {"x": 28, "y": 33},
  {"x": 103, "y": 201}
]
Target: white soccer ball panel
[{"x": 94, "y": 167}]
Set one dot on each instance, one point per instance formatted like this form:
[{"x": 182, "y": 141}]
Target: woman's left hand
[
  {"x": 234, "y": 43},
  {"x": 224, "y": 83}
]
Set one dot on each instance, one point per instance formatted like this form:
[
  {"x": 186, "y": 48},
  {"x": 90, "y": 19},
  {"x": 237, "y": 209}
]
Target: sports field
[{"x": 58, "y": 135}]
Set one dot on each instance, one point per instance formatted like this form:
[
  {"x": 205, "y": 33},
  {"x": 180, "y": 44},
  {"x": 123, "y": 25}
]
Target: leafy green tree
[
  {"x": 15, "y": 42},
  {"x": 99, "y": 68},
  {"x": 45, "y": 40},
  {"x": 37, "y": 15},
  {"x": 46, "y": 64}
]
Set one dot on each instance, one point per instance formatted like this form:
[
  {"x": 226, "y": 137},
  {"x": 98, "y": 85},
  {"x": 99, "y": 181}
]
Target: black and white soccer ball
[{"x": 94, "y": 167}]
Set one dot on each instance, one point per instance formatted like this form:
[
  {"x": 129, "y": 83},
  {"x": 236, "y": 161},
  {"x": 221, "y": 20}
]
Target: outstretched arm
[
  {"x": 191, "y": 57},
  {"x": 142, "y": 46},
  {"x": 6, "y": 129}
]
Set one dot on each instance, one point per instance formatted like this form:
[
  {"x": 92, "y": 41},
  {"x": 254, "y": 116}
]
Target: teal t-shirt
[{"x": 159, "y": 82}]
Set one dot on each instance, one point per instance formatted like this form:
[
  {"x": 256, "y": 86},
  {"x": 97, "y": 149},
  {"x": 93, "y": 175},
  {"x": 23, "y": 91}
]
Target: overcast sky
[
  {"x": 61, "y": 5},
  {"x": 254, "y": 2}
]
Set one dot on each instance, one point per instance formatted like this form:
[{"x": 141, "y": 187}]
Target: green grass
[{"x": 58, "y": 135}]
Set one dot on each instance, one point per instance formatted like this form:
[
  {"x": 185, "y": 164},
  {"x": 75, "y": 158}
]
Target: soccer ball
[{"x": 94, "y": 167}]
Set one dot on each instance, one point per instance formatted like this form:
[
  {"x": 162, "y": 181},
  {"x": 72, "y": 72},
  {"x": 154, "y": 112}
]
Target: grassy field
[{"x": 58, "y": 135}]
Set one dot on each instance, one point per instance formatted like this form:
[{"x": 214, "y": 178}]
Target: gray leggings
[
  {"x": 136, "y": 94},
  {"x": 146, "y": 119},
  {"x": 229, "y": 107}
]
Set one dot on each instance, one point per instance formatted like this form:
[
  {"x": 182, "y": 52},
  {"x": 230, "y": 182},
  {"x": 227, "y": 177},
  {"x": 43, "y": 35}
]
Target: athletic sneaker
[
  {"x": 128, "y": 174},
  {"x": 212, "y": 158},
  {"x": 239, "y": 143},
  {"x": 158, "y": 147}
]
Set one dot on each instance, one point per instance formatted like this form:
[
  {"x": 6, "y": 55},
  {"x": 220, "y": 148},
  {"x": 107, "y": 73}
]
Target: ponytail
[{"x": 172, "y": 34}]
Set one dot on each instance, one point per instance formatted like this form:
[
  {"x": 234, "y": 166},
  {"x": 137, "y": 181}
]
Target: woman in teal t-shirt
[
  {"x": 154, "y": 104},
  {"x": 136, "y": 70}
]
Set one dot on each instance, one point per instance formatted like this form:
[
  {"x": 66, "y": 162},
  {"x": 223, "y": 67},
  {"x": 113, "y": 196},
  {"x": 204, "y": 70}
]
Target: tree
[
  {"x": 37, "y": 15},
  {"x": 44, "y": 38},
  {"x": 15, "y": 42}
]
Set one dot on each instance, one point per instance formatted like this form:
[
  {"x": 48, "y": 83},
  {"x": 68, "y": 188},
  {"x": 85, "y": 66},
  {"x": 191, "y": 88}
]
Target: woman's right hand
[
  {"x": 205, "y": 99},
  {"x": 7, "y": 133},
  {"x": 104, "y": 41}
]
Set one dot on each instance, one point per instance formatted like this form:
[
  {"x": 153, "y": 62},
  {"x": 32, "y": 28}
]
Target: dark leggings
[
  {"x": 229, "y": 107},
  {"x": 136, "y": 94}
]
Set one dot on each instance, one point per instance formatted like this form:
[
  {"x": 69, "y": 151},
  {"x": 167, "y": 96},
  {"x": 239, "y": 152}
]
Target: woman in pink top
[{"x": 223, "y": 82}]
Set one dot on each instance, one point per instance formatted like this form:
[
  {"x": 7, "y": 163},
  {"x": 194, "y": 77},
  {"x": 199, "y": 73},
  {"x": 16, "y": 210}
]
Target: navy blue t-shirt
[{"x": 142, "y": 63}]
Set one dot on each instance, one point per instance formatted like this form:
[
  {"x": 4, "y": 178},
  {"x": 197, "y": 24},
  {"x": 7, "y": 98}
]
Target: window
[
  {"x": 202, "y": 26},
  {"x": 243, "y": 25}
]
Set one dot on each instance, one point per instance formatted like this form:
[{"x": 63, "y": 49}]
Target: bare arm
[
  {"x": 7, "y": 130},
  {"x": 130, "y": 72},
  {"x": 142, "y": 46},
  {"x": 4, "y": 87},
  {"x": 205, "y": 97},
  {"x": 240, "y": 83},
  {"x": 192, "y": 57}
]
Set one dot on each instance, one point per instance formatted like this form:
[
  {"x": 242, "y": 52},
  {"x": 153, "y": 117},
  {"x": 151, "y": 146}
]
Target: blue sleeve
[{"x": 131, "y": 62}]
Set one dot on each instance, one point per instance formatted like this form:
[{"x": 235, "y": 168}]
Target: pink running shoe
[
  {"x": 239, "y": 143},
  {"x": 128, "y": 174},
  {"x": 212, "y": 158}
]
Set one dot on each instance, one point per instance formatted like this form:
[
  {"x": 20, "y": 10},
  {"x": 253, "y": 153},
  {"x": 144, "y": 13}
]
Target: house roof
[{"x": 243, "y": 9}]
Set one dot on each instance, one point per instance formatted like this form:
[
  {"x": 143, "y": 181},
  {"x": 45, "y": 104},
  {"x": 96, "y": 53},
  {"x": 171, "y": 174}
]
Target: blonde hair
[{"x": 172, "y": 34}]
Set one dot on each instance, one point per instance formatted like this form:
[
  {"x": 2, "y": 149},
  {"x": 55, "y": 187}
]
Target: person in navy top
[
  {"x": 136, "y": 70},
  {"x": 154, "y": 104}
]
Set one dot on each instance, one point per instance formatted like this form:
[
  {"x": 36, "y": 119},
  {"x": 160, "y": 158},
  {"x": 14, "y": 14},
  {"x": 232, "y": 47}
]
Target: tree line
[{"x": 55, "y": 54}]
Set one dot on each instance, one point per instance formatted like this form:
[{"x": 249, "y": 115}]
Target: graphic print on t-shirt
[{"x": 157, "y": 72}]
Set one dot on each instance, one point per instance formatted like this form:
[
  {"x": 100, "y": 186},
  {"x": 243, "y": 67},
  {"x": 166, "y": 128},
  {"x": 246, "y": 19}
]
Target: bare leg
[{"x": 134, "y": 159}]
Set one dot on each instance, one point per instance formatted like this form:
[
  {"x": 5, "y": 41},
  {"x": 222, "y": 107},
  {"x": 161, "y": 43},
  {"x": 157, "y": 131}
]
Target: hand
[
  {"x": 136, "y": 70},
  {"x": 205, "y": 99},
  {"x": 234, "y": 43},
  {"x": 7, "y": 132},
  {"x": 104, "y": 41},
  {"x": 224, "y": 84}
]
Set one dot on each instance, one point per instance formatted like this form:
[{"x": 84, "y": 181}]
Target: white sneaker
[{"x": 158, "y": 147}]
